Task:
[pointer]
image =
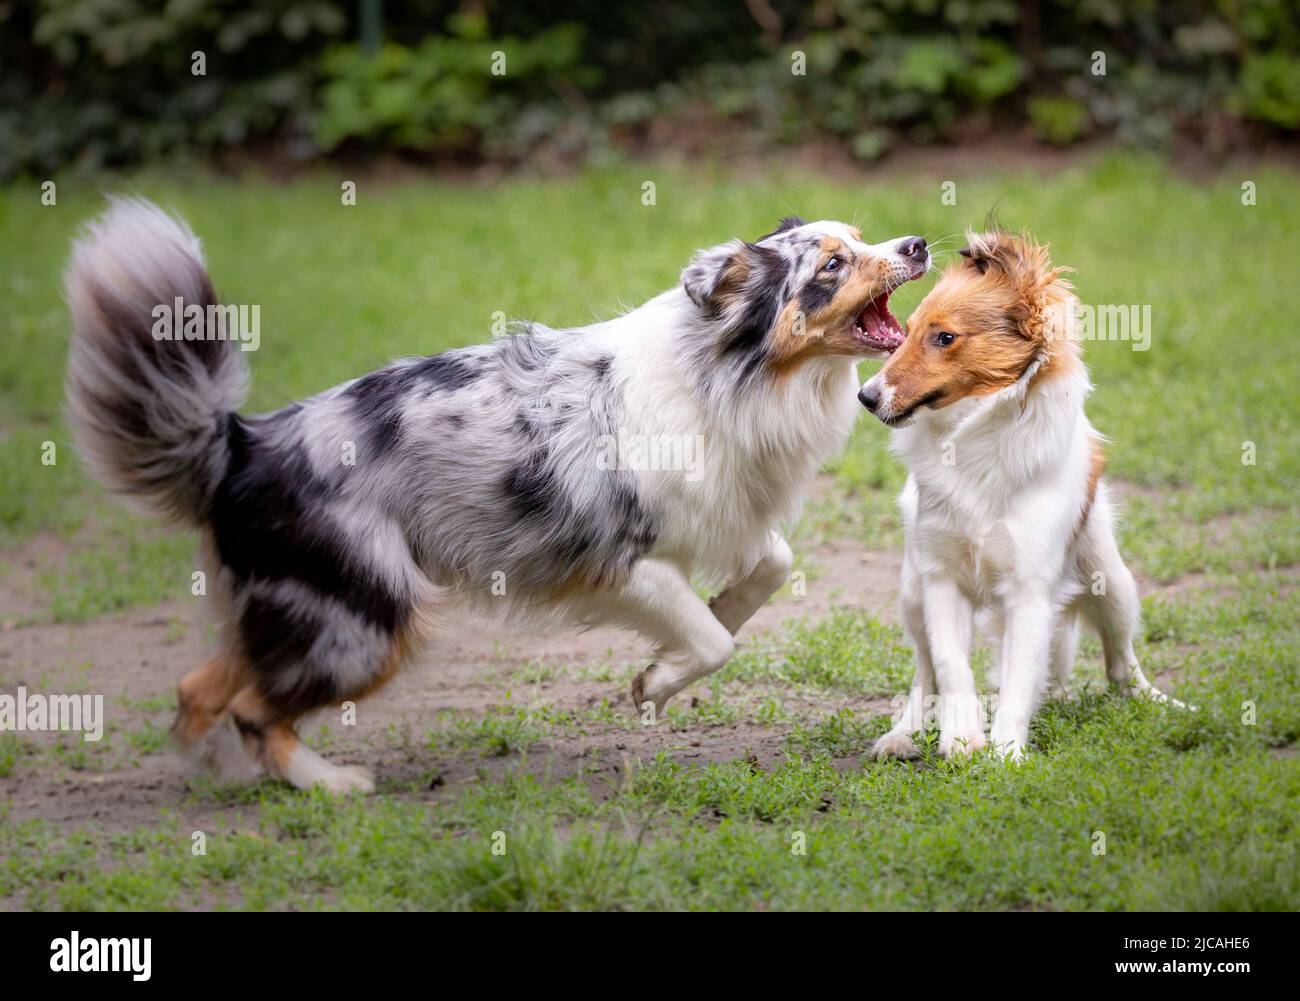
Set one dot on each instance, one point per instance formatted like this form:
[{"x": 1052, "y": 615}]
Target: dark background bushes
[{"x": 109, "y": 82}]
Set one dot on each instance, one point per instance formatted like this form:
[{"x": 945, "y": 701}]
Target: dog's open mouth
[{"x": 876, "y": 326}]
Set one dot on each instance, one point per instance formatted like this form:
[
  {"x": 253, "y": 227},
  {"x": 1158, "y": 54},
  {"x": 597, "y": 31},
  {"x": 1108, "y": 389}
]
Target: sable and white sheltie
[
  {"x": 1004, "y": 510},
  {"x": 510, "y": 474}
]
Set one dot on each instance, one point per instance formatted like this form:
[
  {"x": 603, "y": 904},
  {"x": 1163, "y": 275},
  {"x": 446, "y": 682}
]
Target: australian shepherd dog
[
  {"x": 1005, "y": 511},
  {"x": 521, "y": 475}
]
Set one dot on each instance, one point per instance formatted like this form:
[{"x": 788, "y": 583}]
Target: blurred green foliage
[
  {"x": 449, "y": 93},
  {"x": 94, "y": 82}
]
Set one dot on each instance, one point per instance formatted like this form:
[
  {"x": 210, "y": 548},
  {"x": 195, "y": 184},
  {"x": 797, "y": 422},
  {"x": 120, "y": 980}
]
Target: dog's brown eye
[{"x": 944, "y": 338}]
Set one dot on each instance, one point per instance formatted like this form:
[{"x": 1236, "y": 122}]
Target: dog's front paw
[
  {"x": 958, "y": 743},
  {"x": 895, "y": 744},
  {"x": 1009, "y": 742},
  {"x": 1007, "y": 746}
]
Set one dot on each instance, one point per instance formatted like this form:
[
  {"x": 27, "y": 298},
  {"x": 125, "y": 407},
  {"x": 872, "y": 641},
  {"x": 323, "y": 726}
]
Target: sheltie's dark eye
[
  {"x": 832, "y": 265},
  {"x": 944, "y": 338}
]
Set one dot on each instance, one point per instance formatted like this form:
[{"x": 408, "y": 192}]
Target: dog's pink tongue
[{"x": 880, "y": 325}]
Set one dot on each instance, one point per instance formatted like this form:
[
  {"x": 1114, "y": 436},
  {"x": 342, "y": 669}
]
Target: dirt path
[{"x": 134, "y": 660}]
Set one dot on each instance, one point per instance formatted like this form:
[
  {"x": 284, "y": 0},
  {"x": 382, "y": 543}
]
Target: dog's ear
[
  {"x": 716, "y": 272},
  {"x": 789, "y": 222},
  {"x": 1040, "y": 292},
  {"x": 1024, "y": 261},
  {"x": 995, "y": 248},
  {"x": 976, "y": 258}
]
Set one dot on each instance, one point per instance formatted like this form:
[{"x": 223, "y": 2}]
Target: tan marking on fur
[
  {"x": 732, "y": 283},
  {"x": 1063, "y": 353},
  {"x": 1000, "y": 306},
  {"x": 829, "y": 329},
  {"x": 584, "y": 577},
  {"x": 203, "y": 694},
  {"x": 254, "y": 716},
  {"x": 279, "y": 742},
  {"x": 269, "y": 736},
  {"x": 1096, "y": 466},
  {"x": 406, "y": 644}
]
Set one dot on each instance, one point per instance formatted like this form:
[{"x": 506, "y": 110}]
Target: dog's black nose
[
  {"x": 913, "y": 247},
  {"x": 869, "y": 397}
]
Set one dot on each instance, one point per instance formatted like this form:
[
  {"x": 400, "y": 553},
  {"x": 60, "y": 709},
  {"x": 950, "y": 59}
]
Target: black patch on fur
[
  {"x": 924, "y": 401},
  {"x": 601, "y": 366},
  {"x": 448, "y": 371},
  {"x": 590, "y": 543},
  {"x": 815, "y": 295},
  {"x": 764, "y": 299},
  {"x": 534, "y": 492},
  {"x": 979, "y": 262},
  {"x": 265, "y": 526},
  {"x": 248, "y": 727},
  {"x": 525, "y": 427},
  {"x": 377, "y": 398},
  {"x": 638, "y": 526},
  {"x": 274, "y": 634},
  {"x": 789, "y": 222},
  {"x": 530, "y": 486}
]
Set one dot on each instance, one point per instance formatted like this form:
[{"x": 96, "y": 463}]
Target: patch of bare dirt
[
  {"x": 19, "y": 597},
  {"x": 136, "y": 658}
]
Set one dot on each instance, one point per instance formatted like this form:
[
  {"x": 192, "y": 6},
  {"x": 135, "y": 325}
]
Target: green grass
[{"x": 1197, "y": 809}]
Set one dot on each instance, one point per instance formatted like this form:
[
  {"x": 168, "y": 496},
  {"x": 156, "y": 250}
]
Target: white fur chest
[
  {"x": 950, "y": 540},
  {"x": 995, "y": 490},
  {"x": 754, "y": 459}
]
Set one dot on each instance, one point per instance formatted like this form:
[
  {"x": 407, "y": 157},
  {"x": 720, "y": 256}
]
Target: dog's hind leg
[
  {"x": 1115, "y": 614},
  {"x": 266, "y": 712},
  {"x": 270, "y": 737},
  {"x": 741, "y": 599},
  {"x": 203, "y": 728},
  {"x": 1065, "y": 645}
]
